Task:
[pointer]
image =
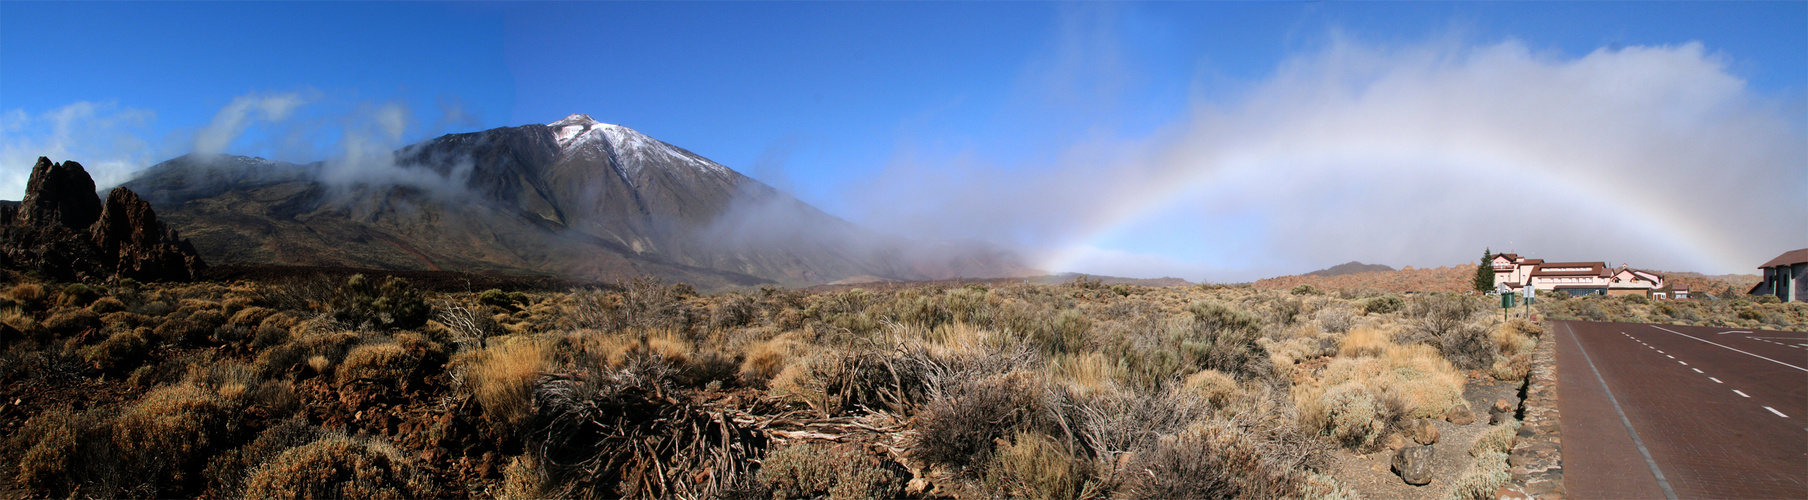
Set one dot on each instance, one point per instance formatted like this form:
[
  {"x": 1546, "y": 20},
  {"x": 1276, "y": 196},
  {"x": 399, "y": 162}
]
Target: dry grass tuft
[
  {"x": 502, "y": 376},
  {"x": 1034, "y": 466},
  {"x": 1370, "y": 342},
  {"x": 1498, "y": 439},
  {"x": 1211, "y": 386},
  {"x": 1482, "y": 479}
]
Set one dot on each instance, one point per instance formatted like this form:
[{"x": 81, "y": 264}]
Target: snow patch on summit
[{"x": 580, "y": 135}]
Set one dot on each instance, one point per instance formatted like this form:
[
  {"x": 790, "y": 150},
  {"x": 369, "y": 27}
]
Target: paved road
[{"x": 1717, "y": 412}]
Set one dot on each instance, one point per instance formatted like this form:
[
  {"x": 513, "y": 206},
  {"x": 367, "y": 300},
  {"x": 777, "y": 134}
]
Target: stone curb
[{"x": 1536, "y": 462}]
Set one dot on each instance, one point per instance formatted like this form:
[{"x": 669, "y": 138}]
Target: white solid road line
[
  {"x": 1729, "y": 348},
  {"x": 1736, "y": 391},
  {"x": 1717, "y": 381},
  {"x": 1774, "y": 410}
]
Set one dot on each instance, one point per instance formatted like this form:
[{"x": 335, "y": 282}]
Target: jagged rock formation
[{"x": 62, "y": 231}]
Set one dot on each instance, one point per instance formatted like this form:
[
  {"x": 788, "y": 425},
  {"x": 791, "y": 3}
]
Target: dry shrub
[
  {"x": 250, "y": 317},
  {"x": 167, "y": 436},
  {"x": 1034, "y": 466},
  {"x": 385, "y": 363},
  {"x": 273, "y": 330},
  {"x": 732, "y": 310},
  {"x": 183, "y": 332},
  {"x": 1513, "y": 368},
  {"x": 77, "y": 295},
  {"x": 107, "y": 305},
  {"x": 617, "y": 434},
  {"x": 1482, "y": 479},
  {"x": 960, "y": 429},
  {"x": 839, "y": 383},
  {"x": 59, "y": 453},
  {"x": 122, "y": 350},
  {"x": 502, "y": 377},
  {"x": 1382, "y": 304},
  {"x": 1353, "y": 416},
  {"x": 840, "y": 472},
  {"x": 1498, "y": 439},
  {"x": 1324, "y": 487},
  {"x": 1336, "y": 319},
  {"x": 1211, "y": 386},
  {"x": 524, "y": 478},
  {"x": 1226, "y": 341},
  {"x": 70, "y": 322},
  {"x": 226, "y": 473},
  {"x": 296, "y": 354},
  {"x": 122, "y": 318},
  {"x": 1355, "y": 400},
  {"x": 393, "y": 305},
  {"x": 1284, "y": 354},
  {"x": 1216, "y": 459},
  {"x": 339, "y": 467}
]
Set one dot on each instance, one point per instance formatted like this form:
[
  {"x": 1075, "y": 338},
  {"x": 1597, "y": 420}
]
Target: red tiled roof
[{"x": 1788, "y": 258}]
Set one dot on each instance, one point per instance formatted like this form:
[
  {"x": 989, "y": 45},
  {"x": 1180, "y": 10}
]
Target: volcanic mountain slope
[
  {"x": 1351, "y": 267},
  {"x": 575, "y": 198}
]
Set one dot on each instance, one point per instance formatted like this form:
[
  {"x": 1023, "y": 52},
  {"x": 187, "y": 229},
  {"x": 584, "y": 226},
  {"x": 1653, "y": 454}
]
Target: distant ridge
[{"x": 1351, "y": 267}]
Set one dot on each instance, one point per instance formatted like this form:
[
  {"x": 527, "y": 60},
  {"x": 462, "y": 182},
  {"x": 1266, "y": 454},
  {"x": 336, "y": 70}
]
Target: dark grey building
[{"x": 1785, "y": 276}]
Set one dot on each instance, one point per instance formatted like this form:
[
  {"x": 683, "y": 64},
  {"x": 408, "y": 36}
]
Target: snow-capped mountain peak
[{"x": 631, "y": 149}]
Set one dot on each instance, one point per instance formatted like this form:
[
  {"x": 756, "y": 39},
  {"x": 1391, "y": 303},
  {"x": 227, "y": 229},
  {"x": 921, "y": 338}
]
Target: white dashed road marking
[
  {"x": 1697, "y": 370},
  {"x": 1717, "y": 381},
  {"x": 1736, "y": 391},
  {"x": 1774, "y": 410},
  {"x": 1729, "y": 348},
  {"x": 1684, "y": 363}
]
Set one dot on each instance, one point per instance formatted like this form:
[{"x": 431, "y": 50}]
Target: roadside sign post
[{"x": 1529, "y": 293}]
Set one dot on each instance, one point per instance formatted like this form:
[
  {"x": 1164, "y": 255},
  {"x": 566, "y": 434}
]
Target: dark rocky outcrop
[
  {"x": 62, "y": 231},
  {"x": 60, "y": 194}
]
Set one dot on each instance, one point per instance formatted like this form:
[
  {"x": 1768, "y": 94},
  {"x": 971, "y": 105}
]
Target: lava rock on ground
[{"x": 1413, "y": 464}]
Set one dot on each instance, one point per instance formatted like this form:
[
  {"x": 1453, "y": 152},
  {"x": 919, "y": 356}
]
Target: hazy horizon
[{"x": 1211, "y": 142}]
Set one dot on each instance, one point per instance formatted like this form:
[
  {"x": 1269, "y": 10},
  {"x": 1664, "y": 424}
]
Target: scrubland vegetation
[
  {"x": 367, "y": 389},
  {"x": 1735, "y": 311}
]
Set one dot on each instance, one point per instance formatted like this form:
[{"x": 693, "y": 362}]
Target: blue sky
[{"x": 1012, "y": 122}]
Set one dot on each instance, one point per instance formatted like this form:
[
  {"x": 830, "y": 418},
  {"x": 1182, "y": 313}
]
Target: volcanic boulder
[{"x": 62, "y": 231}]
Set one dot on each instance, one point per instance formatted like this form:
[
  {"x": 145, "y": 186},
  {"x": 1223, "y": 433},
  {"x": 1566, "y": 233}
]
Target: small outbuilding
[{"x": 1785, "y": 276}]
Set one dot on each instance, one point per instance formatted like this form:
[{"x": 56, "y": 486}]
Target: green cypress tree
[{"x": 1484, "y": 273}]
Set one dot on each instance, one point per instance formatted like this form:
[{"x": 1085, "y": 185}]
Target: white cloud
[
  {"x": 105, "y": 138},
  {"x": 1655, "y": 156},
  {"x": 232, "y": 119}
]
